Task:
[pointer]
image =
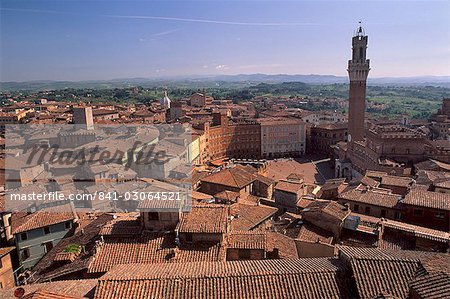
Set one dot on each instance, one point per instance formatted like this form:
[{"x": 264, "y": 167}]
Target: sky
[{"x": 110, "y": 39}]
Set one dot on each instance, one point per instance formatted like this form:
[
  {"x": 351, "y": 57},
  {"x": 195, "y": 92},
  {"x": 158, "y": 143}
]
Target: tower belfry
[{"x": 358, "y": 70}]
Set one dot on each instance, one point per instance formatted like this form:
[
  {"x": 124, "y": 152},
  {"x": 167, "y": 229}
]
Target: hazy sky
[{"x": 83, "y": 40}]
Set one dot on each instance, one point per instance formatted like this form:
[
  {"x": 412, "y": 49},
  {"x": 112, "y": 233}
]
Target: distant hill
[
  {"x": 330, "y": 79},
  {"x": 223, "y": 81}
]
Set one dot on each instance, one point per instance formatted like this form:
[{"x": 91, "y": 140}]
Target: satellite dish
[{"x": 19, "y": 292}]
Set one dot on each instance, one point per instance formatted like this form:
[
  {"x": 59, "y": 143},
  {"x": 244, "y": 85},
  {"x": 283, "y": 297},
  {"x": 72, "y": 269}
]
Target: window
[
  {"x": 165, "y": 216},
  {"x": 244, "y": 254},
  {"x": 153, "y": 216},
  {"x": 48, "y": 246},
  {"x": 188, "y": 237},
  {"x": 418, "y": 212},
  {"x": 23, "y": 236},
  {"x": 367, "y": 210},
  {"x": 356, "y": 208},
  {"x": 46, "y": 230},
  {"x": 68, "y": 224},
  {"x": 440, "y": 215},
  {"x": 25, "y": 254},
  {"x": 383, "y": 213}
]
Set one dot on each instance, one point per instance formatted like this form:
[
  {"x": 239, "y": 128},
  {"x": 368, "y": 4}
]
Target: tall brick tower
[{"x": 358, "y": 69}]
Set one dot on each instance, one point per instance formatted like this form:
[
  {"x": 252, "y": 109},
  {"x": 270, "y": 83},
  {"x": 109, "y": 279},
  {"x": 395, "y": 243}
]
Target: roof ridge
[
  {"x": 386, "y": 257},
  {"x": 222, "y": 274},
  {"x": 216, "y": 274}
]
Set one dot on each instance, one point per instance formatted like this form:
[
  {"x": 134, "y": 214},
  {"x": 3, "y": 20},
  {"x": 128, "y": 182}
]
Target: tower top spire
[{"x": 360, "y": 30}]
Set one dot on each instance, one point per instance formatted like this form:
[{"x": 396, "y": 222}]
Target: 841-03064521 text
[{"x": 97, "y": 195}]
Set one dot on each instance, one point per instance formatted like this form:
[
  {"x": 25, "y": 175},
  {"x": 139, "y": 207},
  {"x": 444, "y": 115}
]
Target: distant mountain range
[{"x": 223, "y": 80}]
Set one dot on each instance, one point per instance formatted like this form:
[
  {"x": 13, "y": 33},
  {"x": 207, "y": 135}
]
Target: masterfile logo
[{"x": 105, "y": 168}]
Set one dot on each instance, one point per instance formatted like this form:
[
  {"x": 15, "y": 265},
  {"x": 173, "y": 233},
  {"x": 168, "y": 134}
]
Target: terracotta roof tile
[
  {"x": 418, "y": 231},
  {"x": 22, "y": 222},
  {"x": 375, "y": 174},
  {"x": 433, "y": 285},
  {"x": 227, "y": 196},
  {"x": 374, "y": 276},
  {"x": 332, "y": 184},
  {"x": 281, "y": 169},
  {"x": 75, "y": 288},
  {"x": 247, "y": 240},
  {"x": 312, "y": 233},
  {"x": 264, "y": 179},
  {"x": 233, "y": 177},
  {"x": 428, "y": 199},
  {"x": 331, "y": 208},
  {"x": 304, "y": 203},
  {"x": 368, "y": 181},
  {"x": 85, "y": 236},
  {"x": 290, "y": 187},
  {"x": 6, "y": 250},
  {"x": 377, "y": 271},
  {"x": 249, "y": 216},
  {"x": 442, "y": 183},
  {"x": 154, "y": 248},
  {"x": 285, "y": 245},
  {"x": 376, "y": 198},
  {"x": 391, "y": 180},
  {"x": 306, "y": 278},
  {"x": 205, "y": 219},
  {"x": 43, "y": 294},
  {"x": 125, "y": 227},
  {"x": 199, "y": 196}
]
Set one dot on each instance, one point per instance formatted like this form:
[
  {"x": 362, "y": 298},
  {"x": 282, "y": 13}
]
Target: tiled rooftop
[
  {"x": 234, "y": 177},
  {"x": 205, "y": 219},
  {"x": 285, "y": 245},
  {"x": 374, "y": 276},
  {"x": 312, "y": 278},
  {"x": 281, "y": 169},
  {"x": 312, "y": 233},
  {"x": 83, "y": 288},
  {"x": 391, "y": 271},
  {"x": 85, "y": 235},
  {"x": 434, "y": 285},
  {"x": 22, "y": 222},
  {"x": 331, "y": 208},
  {"x": 247, "y": 240},
  {"x": 418, "y": 231},
  {"x": 396, "y": 181},
  {"x": 376, "y": 198},
  {"x": 428, "y": 199},
  {"x": 154, "y": 248},
  {"x": 249, "y": 216},
  {"x": 289, "y": 187}
]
